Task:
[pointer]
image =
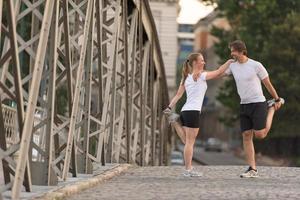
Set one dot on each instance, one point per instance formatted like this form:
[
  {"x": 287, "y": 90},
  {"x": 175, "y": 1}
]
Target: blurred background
[{"x": 271, "y": 31}]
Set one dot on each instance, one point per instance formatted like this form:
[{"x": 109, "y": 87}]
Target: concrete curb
[{"x": 69, "y": 190}]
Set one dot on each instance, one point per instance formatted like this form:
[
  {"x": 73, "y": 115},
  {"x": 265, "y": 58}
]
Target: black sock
[{"x": 250, "y": 168}]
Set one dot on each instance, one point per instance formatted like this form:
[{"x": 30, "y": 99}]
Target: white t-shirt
[
  {"x": 248, "y": 78},
  {"x": 195, "y": 91}
]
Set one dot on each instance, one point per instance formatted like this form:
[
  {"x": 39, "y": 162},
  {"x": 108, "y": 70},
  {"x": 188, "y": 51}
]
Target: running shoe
[
  {"x": 192, "y": 173},
  {"x": 272, "y": 102},
  {"x": 250, "y": 173},
  {"x": 173, "y": 117}
]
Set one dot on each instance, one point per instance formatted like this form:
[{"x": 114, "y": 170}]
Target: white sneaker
[
  {"x": 249, "y": 173},
  {"x": 272, "y": 102},
  {"x": 173, "y": 117},
  {"x": 186, "y": 173},
  {"x": 192, "y": 173}
]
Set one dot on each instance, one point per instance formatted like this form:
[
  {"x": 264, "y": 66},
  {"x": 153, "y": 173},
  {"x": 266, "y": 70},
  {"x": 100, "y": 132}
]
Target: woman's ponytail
[
  {"x": 186, "y": 69},
  {"x": 188, "y": 65}
]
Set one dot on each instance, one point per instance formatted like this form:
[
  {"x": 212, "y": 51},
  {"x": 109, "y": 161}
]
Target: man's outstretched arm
[{"x": 266, "y": 81}]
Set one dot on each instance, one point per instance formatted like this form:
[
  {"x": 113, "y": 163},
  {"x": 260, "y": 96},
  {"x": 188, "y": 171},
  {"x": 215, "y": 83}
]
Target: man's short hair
[{"x": 239, "y": 46}]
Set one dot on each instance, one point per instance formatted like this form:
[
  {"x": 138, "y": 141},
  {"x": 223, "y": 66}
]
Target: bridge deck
[{"x": 218, "y": 182}]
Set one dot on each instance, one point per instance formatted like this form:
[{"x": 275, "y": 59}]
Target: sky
[{"x": 191, "y": 11}]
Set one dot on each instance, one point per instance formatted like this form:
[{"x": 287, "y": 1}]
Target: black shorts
[
  {"x": 253, "y": 116},
  {"x": 190, "y": 118}
]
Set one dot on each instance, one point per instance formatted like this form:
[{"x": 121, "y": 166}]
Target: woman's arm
[
  {"x": 219, "y": 72},
  {"x": 178, "y": 95}
]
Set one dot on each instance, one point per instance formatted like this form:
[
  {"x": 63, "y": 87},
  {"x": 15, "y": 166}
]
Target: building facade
[
  {"x": 165, "y": 14},
  {"x": 212, "y": 108}
]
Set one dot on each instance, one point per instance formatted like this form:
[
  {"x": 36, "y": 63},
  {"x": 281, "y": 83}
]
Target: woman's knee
[{"x": 189, "y": 141}]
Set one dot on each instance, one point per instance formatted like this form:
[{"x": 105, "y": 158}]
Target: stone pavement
[
  {"x": 218, "y": 182},
  {"x": 72, "y": 185}
]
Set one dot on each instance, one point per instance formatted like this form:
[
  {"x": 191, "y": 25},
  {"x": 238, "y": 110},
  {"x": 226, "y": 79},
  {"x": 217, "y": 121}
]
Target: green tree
[
  {"x": 23, "y": 28},
  {"x": 182, "y": 100},
  {"x": 271, "y": 31},
  {"x": 62, "y": 100}
]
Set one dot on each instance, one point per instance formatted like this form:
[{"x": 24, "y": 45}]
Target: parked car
[
  {"x": 177, "y": 158},
  {"x": 213, "y": 144},
  {"x": 199, "y": 143}
]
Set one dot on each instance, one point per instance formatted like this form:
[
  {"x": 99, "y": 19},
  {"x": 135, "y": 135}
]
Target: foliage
[{"x": 271, "y": 31}]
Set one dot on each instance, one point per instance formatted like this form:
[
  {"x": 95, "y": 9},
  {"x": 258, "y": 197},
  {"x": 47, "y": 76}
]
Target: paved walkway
[
  {"x": 72, "y": 185},
  {"x": 218, "y": 182}
]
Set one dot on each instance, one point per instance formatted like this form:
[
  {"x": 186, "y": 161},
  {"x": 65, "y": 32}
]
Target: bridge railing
[
  {"x": 11, "y": 125},
  {"x": 89, "y": 85}
]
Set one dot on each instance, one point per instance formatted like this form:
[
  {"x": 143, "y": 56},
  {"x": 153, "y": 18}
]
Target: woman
[{"x": 194, "y": 83}]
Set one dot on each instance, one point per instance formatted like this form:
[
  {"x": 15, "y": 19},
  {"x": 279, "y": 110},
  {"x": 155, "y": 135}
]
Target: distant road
[{"x": 214, "y": 158}]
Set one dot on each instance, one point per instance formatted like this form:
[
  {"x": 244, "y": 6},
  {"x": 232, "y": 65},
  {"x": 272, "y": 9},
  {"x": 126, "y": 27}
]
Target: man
[{"x": 256, "y": 114}]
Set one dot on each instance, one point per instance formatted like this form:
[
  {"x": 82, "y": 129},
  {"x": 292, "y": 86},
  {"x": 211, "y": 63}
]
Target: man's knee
[
  {"x": 247, "y": 135},
  {"x": 260, "y": 134}
]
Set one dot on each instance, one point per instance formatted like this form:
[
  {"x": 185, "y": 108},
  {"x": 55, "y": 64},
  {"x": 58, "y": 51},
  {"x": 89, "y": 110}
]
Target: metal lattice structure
[{"x": 104, "y": 58}]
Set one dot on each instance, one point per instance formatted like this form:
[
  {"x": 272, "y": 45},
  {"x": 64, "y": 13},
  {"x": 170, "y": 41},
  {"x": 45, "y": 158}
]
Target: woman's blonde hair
[{"x": 188, "y": 65}]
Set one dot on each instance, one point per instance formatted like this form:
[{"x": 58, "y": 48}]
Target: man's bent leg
[
  {"x": 260, "y": 134},
  {"x": 249, "y": 148}
]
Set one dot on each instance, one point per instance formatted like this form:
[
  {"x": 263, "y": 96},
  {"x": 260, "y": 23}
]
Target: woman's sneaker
[
  {"x": 192, "y": 173},
  {"x": 250, "y": 173},
  {"x": 173, "y": 117},
  {"x": 272, "y": 102}
]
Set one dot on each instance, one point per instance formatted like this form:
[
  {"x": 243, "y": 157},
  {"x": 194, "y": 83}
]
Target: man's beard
[{"x": 234, "y": 58}]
